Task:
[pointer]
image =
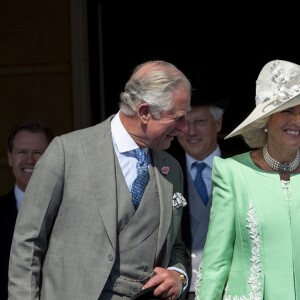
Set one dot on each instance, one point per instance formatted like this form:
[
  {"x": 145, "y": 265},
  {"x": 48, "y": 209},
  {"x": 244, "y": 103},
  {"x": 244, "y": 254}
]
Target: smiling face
[
  {"x": 159, "y": 133},
  {"x": 27, "y": 148},
  {"x": 200, "y": 139},
  {"x": 283, "y": 131}
]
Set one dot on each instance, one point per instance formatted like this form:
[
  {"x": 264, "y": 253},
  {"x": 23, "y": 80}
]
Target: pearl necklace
[{"x": 277, "y": 166}]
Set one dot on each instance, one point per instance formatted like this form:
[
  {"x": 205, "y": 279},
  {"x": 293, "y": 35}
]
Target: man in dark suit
[
  {"x": 198, "y": 144},
  {"x": 26, "y": 143}
]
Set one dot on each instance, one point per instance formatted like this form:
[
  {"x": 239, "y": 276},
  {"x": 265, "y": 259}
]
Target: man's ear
[
  {"x": 143, "y": 112},
  {"x": 219, "y": 124}
]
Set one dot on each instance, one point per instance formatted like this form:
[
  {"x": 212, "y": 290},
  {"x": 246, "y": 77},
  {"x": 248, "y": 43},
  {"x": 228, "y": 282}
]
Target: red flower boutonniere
[{"x": 165, "y": 170}]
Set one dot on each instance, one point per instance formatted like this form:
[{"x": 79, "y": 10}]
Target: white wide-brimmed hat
[{"x": 277, "y": 88}]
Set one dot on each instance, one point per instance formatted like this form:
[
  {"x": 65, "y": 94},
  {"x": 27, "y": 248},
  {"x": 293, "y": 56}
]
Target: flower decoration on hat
[
  {"x": 282, "y": 91},
  {"x": 165, "y": 170},
  {"x": 280, "y": 79}
]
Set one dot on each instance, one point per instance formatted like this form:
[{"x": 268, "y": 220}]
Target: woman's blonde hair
[{"x": 255, "y": 135}]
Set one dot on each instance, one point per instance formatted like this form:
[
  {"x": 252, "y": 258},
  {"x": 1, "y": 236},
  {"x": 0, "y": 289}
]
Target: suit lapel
[
  {"x": 100, "y": 157},
  {"x": 165, "y": 193}
]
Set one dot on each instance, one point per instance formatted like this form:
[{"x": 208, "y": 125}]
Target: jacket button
[{"x": 110, "y": 257}]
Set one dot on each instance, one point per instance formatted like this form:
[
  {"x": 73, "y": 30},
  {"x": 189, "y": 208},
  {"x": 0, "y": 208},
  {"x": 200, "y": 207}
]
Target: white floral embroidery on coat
[
  {"x": 198, "y": 281},
  {"x": 255, "y": 271}
]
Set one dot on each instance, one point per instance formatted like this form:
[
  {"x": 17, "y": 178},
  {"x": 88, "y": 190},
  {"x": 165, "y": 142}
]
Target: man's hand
[{"x": 168, "y": 283}]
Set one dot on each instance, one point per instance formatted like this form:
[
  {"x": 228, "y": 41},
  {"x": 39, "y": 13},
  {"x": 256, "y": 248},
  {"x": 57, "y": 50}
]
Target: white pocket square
[{"x": 178, "y": 200}]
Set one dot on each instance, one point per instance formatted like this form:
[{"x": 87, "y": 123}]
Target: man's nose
[{"x": 182, "y": 125}]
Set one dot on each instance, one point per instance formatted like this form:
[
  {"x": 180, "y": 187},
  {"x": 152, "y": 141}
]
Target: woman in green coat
[{"x": 252, "y": 249}]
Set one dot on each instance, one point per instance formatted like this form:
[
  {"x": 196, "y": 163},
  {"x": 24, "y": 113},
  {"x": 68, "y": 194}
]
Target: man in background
[
  {"x": 199, "y": 144},
  {"x": 26, "y": 143}
]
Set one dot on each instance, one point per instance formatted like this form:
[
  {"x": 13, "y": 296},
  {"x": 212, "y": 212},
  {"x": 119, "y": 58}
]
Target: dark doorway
[{"x": 220, "y": 51}]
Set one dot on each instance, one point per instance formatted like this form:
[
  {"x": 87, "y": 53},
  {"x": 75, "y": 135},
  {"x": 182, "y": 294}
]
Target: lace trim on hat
[{"x": 254, "y": 280}]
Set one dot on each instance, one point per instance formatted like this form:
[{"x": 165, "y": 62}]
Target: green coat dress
[{"x": 252, "y": 249}]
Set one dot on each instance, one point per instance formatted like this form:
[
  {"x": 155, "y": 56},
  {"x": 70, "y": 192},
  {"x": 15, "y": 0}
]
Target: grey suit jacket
[{"x": 66, "y": 231}]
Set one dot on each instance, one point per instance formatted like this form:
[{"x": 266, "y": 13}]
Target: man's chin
[{"x": 167, "y": 143}]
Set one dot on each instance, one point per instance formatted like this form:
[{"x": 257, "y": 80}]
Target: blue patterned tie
[
  {"x": 141, "y": 181},
  {"x": 199, "y": 182}
]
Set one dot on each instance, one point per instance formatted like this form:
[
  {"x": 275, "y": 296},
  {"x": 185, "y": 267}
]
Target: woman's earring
[{"x": 266, "y": 130}]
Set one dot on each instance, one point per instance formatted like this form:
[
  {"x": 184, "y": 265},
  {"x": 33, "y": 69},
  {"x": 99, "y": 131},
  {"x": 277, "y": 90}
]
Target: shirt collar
[
  {"x": 121, "y": 138},
  {"x": 208, "y": 160},
  {"x": 19, "y": 196}
]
